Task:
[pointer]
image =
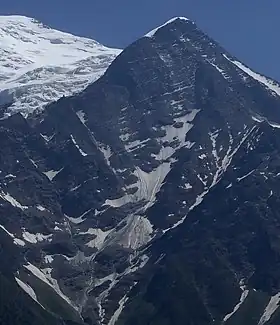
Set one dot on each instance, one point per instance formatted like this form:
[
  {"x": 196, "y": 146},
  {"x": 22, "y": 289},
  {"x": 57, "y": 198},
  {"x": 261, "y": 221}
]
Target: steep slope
[
  {"x": 39, "y": 65},
  {"x": 152, "y": 196},
  {"x": 221, "y": 265}
]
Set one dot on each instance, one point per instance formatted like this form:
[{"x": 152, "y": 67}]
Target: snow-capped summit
[
  {"x": 152, "y": 32},
  {"x": 39, "y": 64}
]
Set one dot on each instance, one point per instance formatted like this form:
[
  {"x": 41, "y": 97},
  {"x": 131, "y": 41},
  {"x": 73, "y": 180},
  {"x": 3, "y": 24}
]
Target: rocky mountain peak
[
  {"x": 152, "y": 196},
  {"x": 152, "y": 32}
]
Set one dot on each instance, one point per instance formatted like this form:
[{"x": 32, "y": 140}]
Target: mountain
[
  {"x": 151, "y": 197},
  {"x": 39, "y": 65}
]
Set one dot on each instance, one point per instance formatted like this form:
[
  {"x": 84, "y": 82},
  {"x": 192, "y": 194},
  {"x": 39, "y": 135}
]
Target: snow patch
[
  {"x": 203, "y": 181},
  {"x": 45, "y": 276},
  {"x": 221, "y": 164},
  {"x": 10, "y": 176},
  {"x": 175, "y": 137},
  {"x": 187, "y": 186},
  {"x": 40, "y": 208},
  {"x": 152, "y": 32},
  {"x": 37, "y": 272},
  {"x": 268, "y": 83},
  {"x": 136, "y": 266},
  {"x": 75, "y": 188},
  {"x": 35, "y": 238},
  {"x": 81, "y": 115},
  {"x": 51, "y": 174},
  {"x": 17, "y": 241},
  {"x": 33, "y": 163},
  {"x": 136, "y": 233},
  {"x": 48, "y": 259},
  {"x": 100, "y": 237},
  {"x": 274, "y": 125},
  {"x": 203, "y": 156},
  {"x": 110, "y": 277},
  {"x": 25, "y": 287},
  {"x": 134, "y": 145},
  {"x": 77, "y": 146},
  {"x": 75, "y": 220},
  {"x": 241, "y": 301},
  {"x": 261, "y": 119},
  {"x": 198, "y": 200},
  {"x": 270, "y": 309},
  {"x": 116, "y": 203},
  {"x": 243, "y": 177},
  {"x": 151, "y": 183},
  {"x": 107, "y": 153},
  {"x": 47, "y": 138},
  {"x": 117, "y": 312},
  {"x": 7, "y": 197},
  {"x": 257, "y": 119},
  {"x": 81, "y": 218},
  {"x": 222, "y": 72},
  {"x": 115, "y": 278}
]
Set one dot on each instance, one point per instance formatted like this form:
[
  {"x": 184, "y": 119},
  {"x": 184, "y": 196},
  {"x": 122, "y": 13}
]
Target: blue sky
[{"x": 246, "y": 28}]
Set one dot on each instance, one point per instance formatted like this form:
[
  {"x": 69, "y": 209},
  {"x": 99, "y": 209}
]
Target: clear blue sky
[{"x": 248, "y": 29}]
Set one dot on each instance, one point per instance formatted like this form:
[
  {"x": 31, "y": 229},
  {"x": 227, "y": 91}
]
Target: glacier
[{"x": 39, "y": 65}]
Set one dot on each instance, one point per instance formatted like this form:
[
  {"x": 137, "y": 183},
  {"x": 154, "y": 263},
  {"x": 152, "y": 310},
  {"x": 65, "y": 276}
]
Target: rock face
[
  {"x": 152, "y": 197},
  {"x": 38, "y": 65}
]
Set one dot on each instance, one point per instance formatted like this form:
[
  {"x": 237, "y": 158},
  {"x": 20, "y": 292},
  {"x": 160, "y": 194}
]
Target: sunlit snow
[
  {"x": 99, "y": 237},
  {"x": 7, "y": 197},
  {"x": 39, "y": 65},
  {"x": 77, "y": 146},
  {"x": 244, "y": 295},
  {"x": 52, "y": 173},
  {"x": 270, "y": 84},
  {"x": 45, "y": 276},
  {"x": 17, "y": 241},
  {"x": 28, "y": 290},
  {"x": 270, "y": 309},
  {"x": 152, "y": 32},
  {"x": 35, "y": 238}
]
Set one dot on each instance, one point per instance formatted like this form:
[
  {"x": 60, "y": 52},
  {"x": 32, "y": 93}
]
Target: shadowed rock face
[{"x": 151, "y": 197}]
